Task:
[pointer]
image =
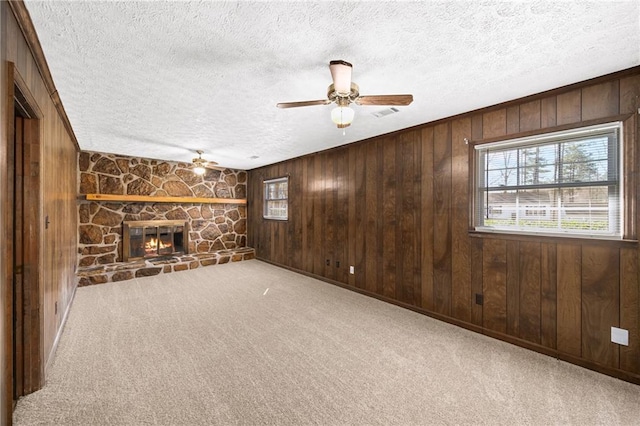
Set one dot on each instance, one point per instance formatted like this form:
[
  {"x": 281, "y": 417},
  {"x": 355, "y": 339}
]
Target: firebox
[{"x": 154, "y": 238}]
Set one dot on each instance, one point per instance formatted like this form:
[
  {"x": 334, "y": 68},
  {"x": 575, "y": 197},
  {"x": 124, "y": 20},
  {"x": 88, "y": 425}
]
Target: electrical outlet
[
  {"x": 352, "y": 270},
  {"x": 328, "y": 262},
  {"x": 479, "y": 299},
  {"x": 337, "y": 263},
  {"x": 620, "y": 336}
]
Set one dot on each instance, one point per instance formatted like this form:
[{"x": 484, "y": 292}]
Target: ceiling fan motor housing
[{"x": 343, "y": 100}]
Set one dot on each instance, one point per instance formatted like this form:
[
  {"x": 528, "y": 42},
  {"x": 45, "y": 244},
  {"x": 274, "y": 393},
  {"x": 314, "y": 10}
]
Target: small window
[
  {"x": 276, "y": 194},
  {"x": 564, "y": 183}
]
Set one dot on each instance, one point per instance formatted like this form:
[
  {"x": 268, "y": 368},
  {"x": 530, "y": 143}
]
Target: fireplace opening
[{"x": 154, "y": 238}]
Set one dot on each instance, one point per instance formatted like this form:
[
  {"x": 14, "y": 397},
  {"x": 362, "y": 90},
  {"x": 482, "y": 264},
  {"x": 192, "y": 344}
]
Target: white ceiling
[{"x": 160, "y": 79}]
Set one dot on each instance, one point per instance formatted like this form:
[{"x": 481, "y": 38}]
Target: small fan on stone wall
[{"x": 200, "y": 165}]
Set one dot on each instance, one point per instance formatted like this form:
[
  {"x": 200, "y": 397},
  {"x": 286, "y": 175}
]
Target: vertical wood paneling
[
  {"x": 6, "y": 262},
  {"x": 371, "y": 214},
  {"x": 389, "y": 194},
  {"x": 270, "y": 228},
  {"x": 397, "y": 207},
  {"x": 548, "y": 295},
  {"x": 352, "y": 226},
  {"x": 318, "y": 215},
  {"x": 629, "y": 93},
  {"x": 494, "y": 124},
  {"x": 279, "y": 228},
  {"x": 407, "y": 209},
  {"x": 342, "y": 213},
  {"x": 251, "y": 237},
  {"x": 476, "y": 127},
  {"x": 308, "y": 216},
  {"x": 631, "y": 186},
  {"x": 548, "y": 112},
  {"x": 513, "y": 288},
  {"x": 460, "y": 201},
  {"x": 360, "y": 275},
  {"x": 282, "y": 227},
  {"x": 380, "y": 224},
  {"x": 494, "y": 285},
  {"x": 513, "y": 119},
  {"x": 530, "y": 116},
  {"x": 294, "y": 226},
  {"x": 569, "y": 258},
  {"x": 529, "y": 265},
  {"x": 569, "y": 107},
  {"x": 427, "y": 219},
  {"x": 330, "y": 216},
  {"x": 601, "y": 100},
  {"x": 255, "y": 233},
  {"x": 477, "y": 279},
  {"x": 630, "y": 309},
  {"x": 600, "y": 303},
  {"x": 442, "y": 218}
]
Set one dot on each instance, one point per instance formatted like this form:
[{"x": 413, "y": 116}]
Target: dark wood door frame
[{"x": 24, "y": 322}]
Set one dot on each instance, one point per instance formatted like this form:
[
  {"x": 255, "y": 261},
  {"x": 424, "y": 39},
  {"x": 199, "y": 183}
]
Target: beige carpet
[{"x": 250, "y": 343}]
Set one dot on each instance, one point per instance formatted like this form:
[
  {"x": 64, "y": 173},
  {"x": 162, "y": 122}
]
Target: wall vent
[{"x": 384, "y": 112}]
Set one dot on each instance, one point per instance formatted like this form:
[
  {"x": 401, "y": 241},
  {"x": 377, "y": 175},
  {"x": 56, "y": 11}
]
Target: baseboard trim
[
  {"x": 54, "y": 347},
  {"x": 554, "y": 353}
]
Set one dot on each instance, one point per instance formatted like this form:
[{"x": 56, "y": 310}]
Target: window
[
  {"x": 564, "y": 183},
  {"x": 276, "y": 194}
]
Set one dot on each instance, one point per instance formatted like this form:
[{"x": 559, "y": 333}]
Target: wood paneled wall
[
  {"x": 56, "y": 172},
  {"x": 397, "y": 208}
]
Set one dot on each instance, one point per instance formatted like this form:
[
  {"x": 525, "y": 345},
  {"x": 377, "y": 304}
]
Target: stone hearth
[{"x": 122, "y": 271}]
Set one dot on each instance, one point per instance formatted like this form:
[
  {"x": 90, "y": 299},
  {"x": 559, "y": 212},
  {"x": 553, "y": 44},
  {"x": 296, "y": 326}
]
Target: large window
[
  {"x": 564, "y": 183},
  {"x": 276, "y": 194}
]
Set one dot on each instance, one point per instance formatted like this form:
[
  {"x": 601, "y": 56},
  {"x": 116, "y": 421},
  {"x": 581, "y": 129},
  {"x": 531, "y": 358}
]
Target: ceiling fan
[
  {"x": 200, "y": 164},
  {"x": 343, "y": 92}
]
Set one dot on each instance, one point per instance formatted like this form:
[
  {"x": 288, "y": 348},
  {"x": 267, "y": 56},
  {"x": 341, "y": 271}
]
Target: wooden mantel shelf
[{"x": 155, "y": 199}]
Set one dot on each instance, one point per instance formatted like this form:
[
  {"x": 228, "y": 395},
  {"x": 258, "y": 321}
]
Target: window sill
[{"x": 573, "y": 239}]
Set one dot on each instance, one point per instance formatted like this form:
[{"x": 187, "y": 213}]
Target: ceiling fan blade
[
  {"x": 216, "y": 167},
  {"x": 384, "y": 100},
  {"x": 341, "y": 75},
  {"x": 302, "y": 103}
]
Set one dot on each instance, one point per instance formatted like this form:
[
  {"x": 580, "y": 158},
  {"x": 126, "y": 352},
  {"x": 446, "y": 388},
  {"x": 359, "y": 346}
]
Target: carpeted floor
[{"x": 250, "y": 343}]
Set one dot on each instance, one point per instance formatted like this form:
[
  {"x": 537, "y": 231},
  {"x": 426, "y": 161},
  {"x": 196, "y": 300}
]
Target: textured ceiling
[{"x": 161, "y": 79}]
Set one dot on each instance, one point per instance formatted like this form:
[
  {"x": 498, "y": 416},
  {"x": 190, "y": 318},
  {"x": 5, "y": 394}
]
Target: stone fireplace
[
  {"x": 162, "y": 235},
  {"x": 154, "y": 238}
]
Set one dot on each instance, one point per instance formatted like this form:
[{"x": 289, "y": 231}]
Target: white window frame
[
  {"x": 270, "y": 198},
  {"x": 616, "y": 202}
]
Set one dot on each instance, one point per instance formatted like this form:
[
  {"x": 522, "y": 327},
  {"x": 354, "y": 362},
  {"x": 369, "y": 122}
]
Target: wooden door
[
  {"x": 18, "y": 259},
  {"x": 24, "y": 344}
]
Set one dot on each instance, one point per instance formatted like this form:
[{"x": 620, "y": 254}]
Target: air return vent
[{"x": 386, "y": 111}]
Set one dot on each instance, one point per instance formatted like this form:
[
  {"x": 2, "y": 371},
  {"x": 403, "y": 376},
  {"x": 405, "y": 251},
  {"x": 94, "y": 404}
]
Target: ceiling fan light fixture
[
  {"x": 200, "y": 163},
  {"x": 342, "y": 116}
]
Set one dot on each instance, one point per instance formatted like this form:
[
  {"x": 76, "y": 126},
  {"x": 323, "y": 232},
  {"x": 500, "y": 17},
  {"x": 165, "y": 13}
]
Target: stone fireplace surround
[{"x": 217, "y": 231}]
